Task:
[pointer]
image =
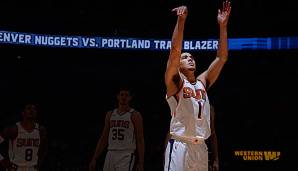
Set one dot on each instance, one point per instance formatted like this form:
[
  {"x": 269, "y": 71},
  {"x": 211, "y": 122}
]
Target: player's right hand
[
  {"x": 215, "y": 166},
  {"x": 92, "y": 165},
  {"x": 8, "y": 165},
  {"x": 181, "y": 11},
  {"x": 140, "y": 167},
  {"x": 5, "y": 163}
]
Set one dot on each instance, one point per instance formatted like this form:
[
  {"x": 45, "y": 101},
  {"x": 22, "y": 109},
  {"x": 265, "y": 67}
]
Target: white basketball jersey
[
  {"x": 190, "y": 110},
  {"x": 23, "y": 150},
  {"x": 121, "y": 135}
]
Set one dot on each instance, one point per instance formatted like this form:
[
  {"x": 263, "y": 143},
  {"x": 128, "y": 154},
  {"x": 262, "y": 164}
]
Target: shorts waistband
[
  {"x": 117, "y": 150},
  {"x": 188, "y": 139}
]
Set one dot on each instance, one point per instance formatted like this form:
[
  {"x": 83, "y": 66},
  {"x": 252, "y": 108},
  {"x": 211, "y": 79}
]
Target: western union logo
[{"x": 258, "y": 155}]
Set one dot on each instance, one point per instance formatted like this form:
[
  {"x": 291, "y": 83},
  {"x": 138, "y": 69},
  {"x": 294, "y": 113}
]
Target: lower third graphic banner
[{"x": 18, "y": 38}]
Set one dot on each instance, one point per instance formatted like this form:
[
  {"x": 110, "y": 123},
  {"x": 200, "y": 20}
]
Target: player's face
[
  {"x": 30, "y": 111},
  {"x": 124, "y": 97},
  {"x": 187, "y": 62}
]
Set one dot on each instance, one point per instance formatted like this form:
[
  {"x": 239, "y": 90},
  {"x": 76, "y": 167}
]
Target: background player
[
  {"x": 123, "y": 132},
  {"x": 27, "y": 142}
]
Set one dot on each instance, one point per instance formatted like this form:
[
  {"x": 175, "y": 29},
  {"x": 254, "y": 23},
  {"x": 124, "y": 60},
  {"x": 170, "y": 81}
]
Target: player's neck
[
  {"x": 191, "y": 79},
  {"x": 189, "y": 76},
  {"x": 123, "y": 108},
  {"x": 28, "y": 124}
]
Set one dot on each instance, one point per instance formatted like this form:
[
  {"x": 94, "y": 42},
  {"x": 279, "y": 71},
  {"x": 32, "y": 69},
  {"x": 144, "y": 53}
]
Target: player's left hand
[
  {"x": 140, "y": 167},
  {"x": 92, "y": 165},
  {"x": 6, "y": 163},
  {"x": 215, "y": 166},
  {"x": 224, "y": 13}
]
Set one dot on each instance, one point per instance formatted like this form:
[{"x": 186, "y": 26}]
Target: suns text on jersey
[
  {"x": 198, "y": 94},
  {"x": 27, "y": 142},
  {"x": 119, "y": 123}
]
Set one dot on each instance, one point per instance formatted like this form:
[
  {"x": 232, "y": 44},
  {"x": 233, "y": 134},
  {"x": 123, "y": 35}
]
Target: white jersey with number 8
[{"x": 23, "y": 150}]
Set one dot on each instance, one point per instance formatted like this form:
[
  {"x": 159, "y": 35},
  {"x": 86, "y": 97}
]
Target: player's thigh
[
  {"x": 175, "y": 156},
  {"x": 168, "y": 154},
  {"x": 109, "y": 164},
  {"x": 203, "y": 157},
  {"x": 126, "y": 162},
  {"x": 196, "y": 158}
]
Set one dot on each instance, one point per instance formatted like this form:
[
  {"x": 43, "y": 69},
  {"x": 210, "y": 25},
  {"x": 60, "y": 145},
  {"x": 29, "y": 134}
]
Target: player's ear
[{"x": 22, "y": 113}]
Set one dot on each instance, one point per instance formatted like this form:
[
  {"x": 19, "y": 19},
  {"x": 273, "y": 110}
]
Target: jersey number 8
[{"x": 28, "y": 154}]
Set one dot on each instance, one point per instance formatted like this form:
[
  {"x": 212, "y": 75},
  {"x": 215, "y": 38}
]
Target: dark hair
[
  {"x": 125, "y": 88},
  {"x": 30, "y": 103}
]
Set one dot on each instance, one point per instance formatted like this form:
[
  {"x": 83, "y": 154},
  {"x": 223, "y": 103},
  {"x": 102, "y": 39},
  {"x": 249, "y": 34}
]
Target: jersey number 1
[{"x": 200, "y": 110}]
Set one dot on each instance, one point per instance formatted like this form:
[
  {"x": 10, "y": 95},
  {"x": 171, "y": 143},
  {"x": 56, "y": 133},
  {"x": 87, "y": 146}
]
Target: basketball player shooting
[{"x": 187, "y": 97}]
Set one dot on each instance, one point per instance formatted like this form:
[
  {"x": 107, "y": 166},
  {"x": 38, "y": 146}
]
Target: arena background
[{"x": 254, "y": 98}]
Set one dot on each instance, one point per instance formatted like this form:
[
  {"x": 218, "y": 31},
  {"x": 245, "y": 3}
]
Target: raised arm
[
  {"x": 102, "y": 142},
  {"x": 138, "y": 125},
  {"x": 2, "y": 139},
  {"x": 212, "y": 73},
  {"x": 172, "y": 79},
  {"x": 9, "y": 133}
]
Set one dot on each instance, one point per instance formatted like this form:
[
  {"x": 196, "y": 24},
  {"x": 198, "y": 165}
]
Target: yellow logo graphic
[{"x": 258, "y": 155}]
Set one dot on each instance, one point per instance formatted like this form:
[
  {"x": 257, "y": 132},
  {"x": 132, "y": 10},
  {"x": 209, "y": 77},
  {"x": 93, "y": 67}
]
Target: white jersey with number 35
[
  {"x": 121, "y": 135},
  {"x": 23, "y": 150}
]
